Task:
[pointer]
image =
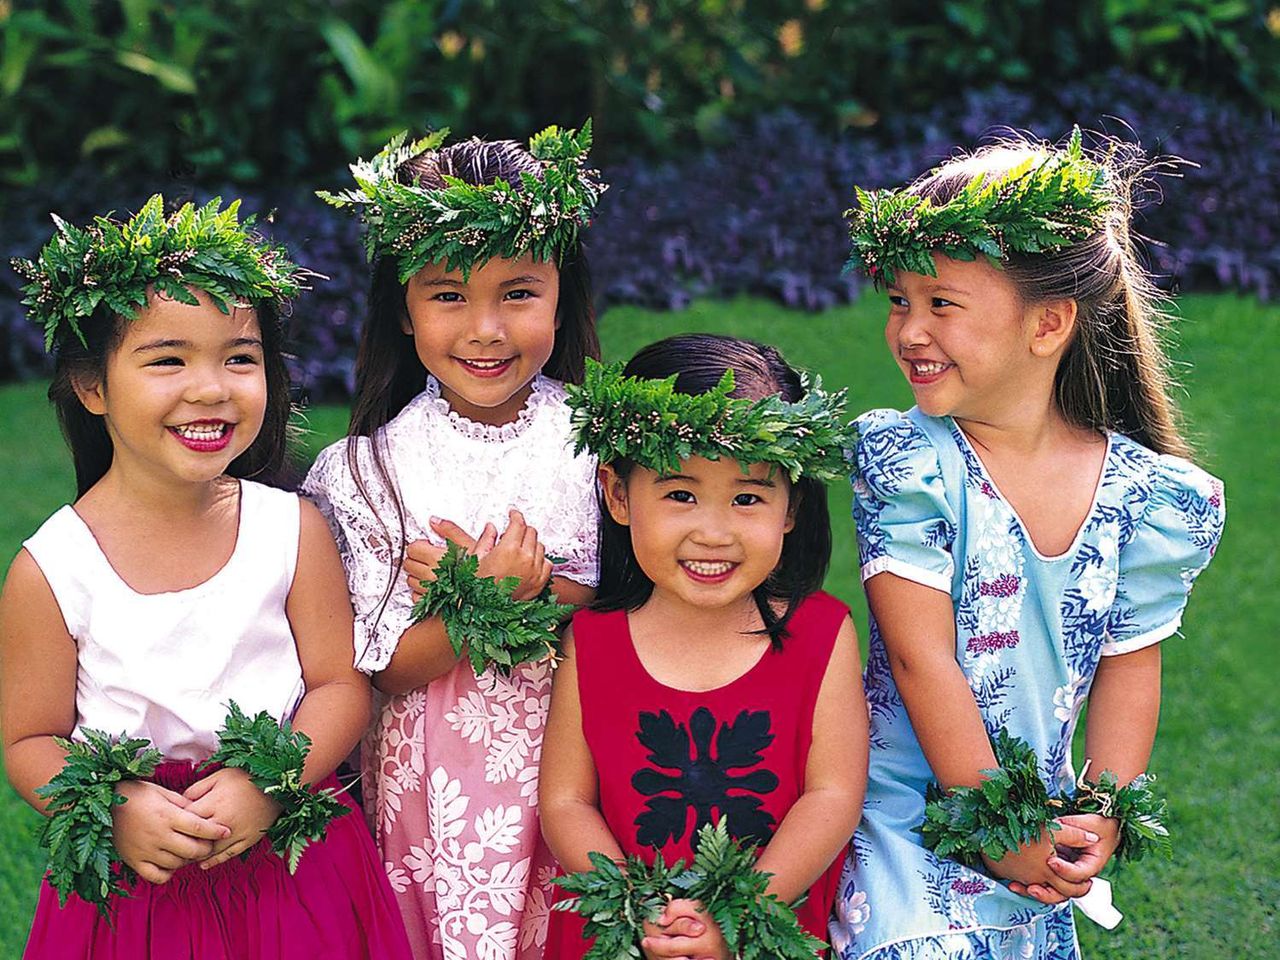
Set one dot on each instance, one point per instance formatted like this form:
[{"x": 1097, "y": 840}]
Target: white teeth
[
  {"x": 202, "y": 431},
  {"x": 928, "y": 369},
  {"x": 707, "y": 569},
  {"x": 484, "y": 364}
]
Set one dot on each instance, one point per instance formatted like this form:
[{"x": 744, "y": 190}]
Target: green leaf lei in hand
[
  {"x": 1011, "y": 808},
  {"x": 1040, "y": 205},
  {"x": 273, "y": 754},
  {"x": 650, "y": 423},
  {"x": 616, "y": 900},
  {"x": 77, "y": 833},
  {"x": 480, "y": 614}
]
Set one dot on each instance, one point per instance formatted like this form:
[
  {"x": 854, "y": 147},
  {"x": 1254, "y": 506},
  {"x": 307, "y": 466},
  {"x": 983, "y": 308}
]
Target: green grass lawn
[{"x": 1218, "y": 752}]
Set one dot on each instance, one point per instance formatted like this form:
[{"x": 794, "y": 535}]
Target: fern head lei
[
  {"x": 114, "y": 263},
  {"x": 650, "y": 423},
  {"x": 1050, "y": 200},
  {"x": 463, "y": 224}
]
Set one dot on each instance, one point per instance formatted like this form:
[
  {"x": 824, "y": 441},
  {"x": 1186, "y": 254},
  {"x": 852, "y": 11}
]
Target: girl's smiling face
[
  {"x": 708, "y": 535},
  {"x": 965, "y": 340},
  {"x": 184, "y": 391},
  {"x": 484, "y": 339}
]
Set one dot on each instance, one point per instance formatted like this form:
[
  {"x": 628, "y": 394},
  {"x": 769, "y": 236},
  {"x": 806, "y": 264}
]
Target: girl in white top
[
  {"x": 459, "y": 431},
  {"x": 174, "y": 585}
]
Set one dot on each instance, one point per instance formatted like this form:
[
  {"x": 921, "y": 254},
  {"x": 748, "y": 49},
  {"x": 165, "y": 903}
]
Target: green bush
[{"x": 271, "y": 90}]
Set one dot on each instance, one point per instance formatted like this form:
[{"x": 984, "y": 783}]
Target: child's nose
[
  {"x": 486, "y": 326},
  {"x": 914, "y": 329},
  {"x": 208, "y": 386},
  {"x": 714, "y": 528}
]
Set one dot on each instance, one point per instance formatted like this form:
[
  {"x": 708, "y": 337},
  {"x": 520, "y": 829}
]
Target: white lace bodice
[{"x": 447, "y": 466}]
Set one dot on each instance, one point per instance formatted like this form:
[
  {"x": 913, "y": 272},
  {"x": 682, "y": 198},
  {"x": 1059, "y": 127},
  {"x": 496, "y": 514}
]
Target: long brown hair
[
  {"x": 388, "y": 371},
  {"x": 1115, "y": 373}
]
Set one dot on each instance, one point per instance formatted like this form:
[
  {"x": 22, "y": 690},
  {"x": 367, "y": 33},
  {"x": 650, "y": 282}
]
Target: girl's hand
[
  {"x": 684, "y": 931},
  {"x": 420, "y": 559},
  {"x": 155, "y": 831},
  {"x": 1029, "y": 868},
  {"x": 517, "y": 553},
  {"x": 1078, "y": 864},
  {"x": 229, "y": 797}
]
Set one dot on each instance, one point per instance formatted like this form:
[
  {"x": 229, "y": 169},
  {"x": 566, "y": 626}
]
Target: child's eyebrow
[
  {"x": 674, "y": 477},
  {"x": 761, "y": 482},
  {"x": 520, "y": 280},
  {"x": 245, "y": 342},
  {"x": 442, "y": 282},
  {"x": 170, "y": 344}
]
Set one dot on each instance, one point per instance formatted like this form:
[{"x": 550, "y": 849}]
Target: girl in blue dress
[{"x": 1029, "y": 533}]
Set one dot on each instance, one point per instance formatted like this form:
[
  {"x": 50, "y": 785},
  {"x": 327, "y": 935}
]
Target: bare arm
[
  {"x": 37, "y": 679},
  {"x": 1124, "y": 709},
  {"x": 820, "y": 823},
  {"x": 568, "y": 790},
  {"x": 918, "y": 626},
  {"x": 335, "y": 708}
]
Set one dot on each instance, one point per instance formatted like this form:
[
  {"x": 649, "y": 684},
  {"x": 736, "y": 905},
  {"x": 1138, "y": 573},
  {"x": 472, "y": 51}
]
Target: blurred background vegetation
[{"x": 247, "y": 91}]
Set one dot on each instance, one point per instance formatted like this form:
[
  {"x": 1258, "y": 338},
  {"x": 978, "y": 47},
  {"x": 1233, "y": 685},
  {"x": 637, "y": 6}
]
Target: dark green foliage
[
  {"x": 1141, "y": 813},
  {"x": 77, "y": 832},
  {"x": 463, "y": 224},
  {"x": 112, "y": 263},
  {"x": 1041, "y": 204},
  {"x": 480, "y": 615},
  {"x": 1011, "y": 808},
  {"x": 756, "y": 925},
  {"x": 650, "y": 423},
  {"x": 289, "y": 89},
  {"x": 616, "y": 900},
  {"x": 273, "y": 754}
]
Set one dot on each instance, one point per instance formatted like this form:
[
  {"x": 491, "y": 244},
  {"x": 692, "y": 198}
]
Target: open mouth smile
[
  {"x": 927, "y": 371},
  {"x": 708, "y": 571},
  {"x": 485, "y": 367},
  {"x": 204, "y": 436}
]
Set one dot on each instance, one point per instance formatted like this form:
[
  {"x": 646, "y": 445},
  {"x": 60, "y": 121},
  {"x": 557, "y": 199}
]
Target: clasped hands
[
  {"x": 516, "y": 553},
  {"x": 158, "y": 831},
  {"x": 1063, "y": 863}
]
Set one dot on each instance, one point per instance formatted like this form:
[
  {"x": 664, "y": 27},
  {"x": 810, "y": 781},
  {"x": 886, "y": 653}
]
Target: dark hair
[
  {"x": 698, "y": 361},
  {"x": 266, "y": 460},
  {"x": 1114, "y": 374},
  {"x": 388, "y": 371}
]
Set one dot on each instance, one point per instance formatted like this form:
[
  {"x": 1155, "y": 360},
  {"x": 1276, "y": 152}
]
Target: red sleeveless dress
[{"x": 671, "y": 760}]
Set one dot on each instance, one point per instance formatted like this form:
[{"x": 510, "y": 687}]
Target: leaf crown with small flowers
[
  {"x": 113, "y": 263},
  {"x": 1040, "y": 205},
  {"x": 464, "y": 224},
  {"x": 650, "y": 423}
]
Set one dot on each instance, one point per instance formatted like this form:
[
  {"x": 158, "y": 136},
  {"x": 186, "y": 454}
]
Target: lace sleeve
[
  {"x": 369, "y": 555},
  {"x": 578, "y": 522}
]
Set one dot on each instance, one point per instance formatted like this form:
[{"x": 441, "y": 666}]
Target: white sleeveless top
[{"x": 164, "y": 666}]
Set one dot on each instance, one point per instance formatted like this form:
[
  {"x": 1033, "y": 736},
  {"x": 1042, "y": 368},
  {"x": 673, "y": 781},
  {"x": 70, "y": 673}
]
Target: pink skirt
[{"x": 339, "y": 904}]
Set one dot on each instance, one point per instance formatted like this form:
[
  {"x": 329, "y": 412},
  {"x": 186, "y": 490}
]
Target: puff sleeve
[
  {"x": 1169, "y": 546},
  {"x": 368, "y": 555},
  {"x": 905, "y": 525}
]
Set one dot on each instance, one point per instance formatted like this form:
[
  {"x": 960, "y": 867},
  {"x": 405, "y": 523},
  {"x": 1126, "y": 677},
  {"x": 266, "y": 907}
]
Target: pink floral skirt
[{"x": 338, "y": 905}]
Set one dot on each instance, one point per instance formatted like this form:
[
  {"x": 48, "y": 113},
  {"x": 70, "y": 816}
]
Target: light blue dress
[{"x": 1030, "y": 631}]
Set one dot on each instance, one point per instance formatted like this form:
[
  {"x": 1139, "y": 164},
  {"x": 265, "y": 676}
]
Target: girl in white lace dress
[{"x": 459, "y": 430}]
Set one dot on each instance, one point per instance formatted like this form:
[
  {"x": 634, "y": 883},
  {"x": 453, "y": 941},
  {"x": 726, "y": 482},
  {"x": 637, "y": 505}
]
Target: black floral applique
[{"x": 701, "y": 781}]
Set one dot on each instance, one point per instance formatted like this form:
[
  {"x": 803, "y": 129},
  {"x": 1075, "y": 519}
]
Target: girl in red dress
[{"x": 711, "y": 678}]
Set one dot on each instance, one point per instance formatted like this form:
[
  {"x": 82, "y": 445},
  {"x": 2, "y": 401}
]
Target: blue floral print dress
[{"x": 1030, "y": 630}]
